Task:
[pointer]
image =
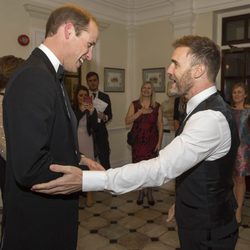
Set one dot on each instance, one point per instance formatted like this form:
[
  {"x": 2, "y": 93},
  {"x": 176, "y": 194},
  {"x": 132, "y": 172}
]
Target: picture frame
[
  {"x": 155, "y": 76},
  {"x": 72, "y": 81},
  {"x": 114, "y": 80}
]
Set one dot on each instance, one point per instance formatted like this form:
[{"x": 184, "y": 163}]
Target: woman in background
[
  {"x": 242, "y": 164},
  {"x": 146, "y": 116},
  {"x": 8, "y": 64},
  {"x": 86, "y": 116}
]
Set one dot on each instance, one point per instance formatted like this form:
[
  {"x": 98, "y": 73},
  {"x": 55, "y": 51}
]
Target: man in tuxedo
[
  {"x": 201, "y": 156},
  {"x": 40, "y": 129},
  {"x": 101, "y": 142}
]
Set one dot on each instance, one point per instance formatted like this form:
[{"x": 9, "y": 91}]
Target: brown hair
[
  {"x": 238, "y": 85},
  {"x": 78, "y": 89},
  {"x": 8, "y": 64},
  {"x": 203, "y": 51},
  {"x": 79, "y": 17},
  {"x": 90, "y": 74}
]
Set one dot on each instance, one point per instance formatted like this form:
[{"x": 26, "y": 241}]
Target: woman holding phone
[{"x": 86, "y": 116}]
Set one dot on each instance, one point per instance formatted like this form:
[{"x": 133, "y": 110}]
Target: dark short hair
[
  {"x": 79, "y": 17},
  {"x": 90, "y": 74},
  {"x": 8, "y": 64},
  {"x": 203, "y": 50}
]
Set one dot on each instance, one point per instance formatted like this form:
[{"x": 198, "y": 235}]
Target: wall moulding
[
  {"x": 183, "y": 24},
  {"x": 43, "y": 11},
  {"x": 38, "y": 11},
  {"x": 135, "y": 12}
]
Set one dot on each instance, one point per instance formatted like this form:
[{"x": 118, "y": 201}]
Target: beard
[
  {"x": 180, "y": 87},
  {"x": 172, "y": 88}
]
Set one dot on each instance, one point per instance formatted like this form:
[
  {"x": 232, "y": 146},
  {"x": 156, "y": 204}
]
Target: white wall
[
  {"x": 154, "y": 49},
  {"x": 204, "y": 24},
  {"x": 113, "y": 54},
  {"x": 14, "y": 21}
]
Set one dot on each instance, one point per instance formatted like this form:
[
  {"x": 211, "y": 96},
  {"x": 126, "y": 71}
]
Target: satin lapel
[
  {"x": 72, "y": 118},
  {"x": 68, "y": 109}
]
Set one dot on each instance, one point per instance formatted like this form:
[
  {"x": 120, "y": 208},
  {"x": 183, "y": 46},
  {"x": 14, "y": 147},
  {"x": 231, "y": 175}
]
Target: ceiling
[{"x": 136, "y": 12}]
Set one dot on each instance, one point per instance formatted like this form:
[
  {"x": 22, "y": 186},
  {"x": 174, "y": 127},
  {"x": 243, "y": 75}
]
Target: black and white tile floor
[{"x": 118, "y": 223}]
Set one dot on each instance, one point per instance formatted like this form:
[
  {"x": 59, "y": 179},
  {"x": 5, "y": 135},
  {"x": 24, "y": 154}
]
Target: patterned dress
[
  {"x": 145, "y": 130},
  {"x": 242, "y": 165}
]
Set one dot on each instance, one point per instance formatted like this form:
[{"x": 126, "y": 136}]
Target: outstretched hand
[{"x": 70, "y": 182}]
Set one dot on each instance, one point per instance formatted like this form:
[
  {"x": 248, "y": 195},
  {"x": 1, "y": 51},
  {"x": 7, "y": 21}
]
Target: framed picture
[
  {"x": 71, "y": 81},
  {"x": 114, "y": 80},
  {"x": 155, "y": 76}
]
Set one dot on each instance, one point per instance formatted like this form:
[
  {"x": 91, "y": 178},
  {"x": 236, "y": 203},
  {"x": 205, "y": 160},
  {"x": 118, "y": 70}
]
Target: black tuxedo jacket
[
  {"x": 101, "y": 128},
  {"x": 39, "y": 132},
  {"x": 102, "y": 148}
]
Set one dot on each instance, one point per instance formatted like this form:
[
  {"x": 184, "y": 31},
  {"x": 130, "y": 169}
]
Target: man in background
[{"x": 102, "y": 104}]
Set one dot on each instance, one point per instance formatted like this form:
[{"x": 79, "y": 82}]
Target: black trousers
[
  {"x": 102, "y": 151},
  {"x": 219, "y": 239},
  {"x": 2, "y": 174}
]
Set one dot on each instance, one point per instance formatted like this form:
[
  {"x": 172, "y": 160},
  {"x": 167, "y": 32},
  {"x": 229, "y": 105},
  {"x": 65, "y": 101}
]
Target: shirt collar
[
  {"x": 197, "y": 99},
  {"x": 96, "y": 92},
  {"x": 52, "y": 57}
]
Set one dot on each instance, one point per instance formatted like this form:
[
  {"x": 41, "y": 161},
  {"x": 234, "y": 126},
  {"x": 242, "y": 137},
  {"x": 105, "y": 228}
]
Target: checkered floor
[{"x": 118, "y": 223}]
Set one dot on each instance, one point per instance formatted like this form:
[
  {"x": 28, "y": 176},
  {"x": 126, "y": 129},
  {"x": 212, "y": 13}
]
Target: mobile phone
[{"x": 87, "y": 99}]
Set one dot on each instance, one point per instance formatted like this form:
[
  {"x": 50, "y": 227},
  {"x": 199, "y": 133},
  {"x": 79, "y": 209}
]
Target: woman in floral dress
[
  {"x": 146, "y": 116},
  {"x": 242, "y": 164}
]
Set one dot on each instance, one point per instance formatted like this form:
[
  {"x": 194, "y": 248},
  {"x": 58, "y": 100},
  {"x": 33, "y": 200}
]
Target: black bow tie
[{"x": 60, "y": 73}]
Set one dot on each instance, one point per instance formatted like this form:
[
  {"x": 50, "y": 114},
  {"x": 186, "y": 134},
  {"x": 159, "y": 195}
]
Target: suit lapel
[{"x": 70, "y": 115}]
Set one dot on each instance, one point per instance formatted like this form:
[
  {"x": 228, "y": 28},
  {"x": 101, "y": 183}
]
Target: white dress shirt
[
  {"x": 206, "y": 136},
  {"x": 52, "y": 57}
]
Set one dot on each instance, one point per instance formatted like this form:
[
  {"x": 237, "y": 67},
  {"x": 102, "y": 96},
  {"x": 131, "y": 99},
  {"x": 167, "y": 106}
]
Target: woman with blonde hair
[
  {"x": 145, "y": 115},
  {"x": 242, "y": 164}
]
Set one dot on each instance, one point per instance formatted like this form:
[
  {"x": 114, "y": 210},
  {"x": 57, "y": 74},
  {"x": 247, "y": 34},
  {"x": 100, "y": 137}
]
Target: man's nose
[
  {"x": 170, "y": 69},
  {"x": 89, "y": 54}
]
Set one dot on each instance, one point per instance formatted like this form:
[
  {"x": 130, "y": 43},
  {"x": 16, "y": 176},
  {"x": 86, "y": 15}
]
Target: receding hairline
[{"x": 69, "y": 13}]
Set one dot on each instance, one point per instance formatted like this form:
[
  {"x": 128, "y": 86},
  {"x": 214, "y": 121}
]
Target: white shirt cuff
[{"x": 93, "y": 180}]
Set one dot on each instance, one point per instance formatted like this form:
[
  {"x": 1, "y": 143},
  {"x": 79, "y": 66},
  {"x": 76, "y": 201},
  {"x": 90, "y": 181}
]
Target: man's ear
[
  {"x": 198, "y": 71},
  {"x": 68, "y": 30}
]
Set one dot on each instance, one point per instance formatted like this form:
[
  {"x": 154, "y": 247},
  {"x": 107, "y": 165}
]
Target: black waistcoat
[{"x": 204, "y": 195}]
